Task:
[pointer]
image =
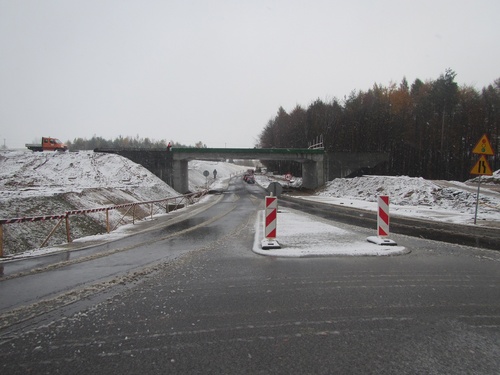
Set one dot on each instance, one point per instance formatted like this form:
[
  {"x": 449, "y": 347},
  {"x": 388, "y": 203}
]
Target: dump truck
[{"x": 47, "y": 144}]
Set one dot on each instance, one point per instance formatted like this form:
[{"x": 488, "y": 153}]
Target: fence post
[
  {"x": 51, "y": 233},
  {"x": 107, "y": 220},
  {"x": 1, "y": 241},
  {"x": 68, "y": 233}
]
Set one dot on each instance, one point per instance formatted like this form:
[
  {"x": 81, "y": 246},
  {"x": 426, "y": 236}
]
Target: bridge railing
[
  {"x": 317, "y": 144},
  {"x": 168, "y": 204}
]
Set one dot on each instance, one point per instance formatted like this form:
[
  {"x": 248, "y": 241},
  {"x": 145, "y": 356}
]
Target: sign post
[
  {"x": 206, "y": 174},
  {"x": 482, "y": 167}
]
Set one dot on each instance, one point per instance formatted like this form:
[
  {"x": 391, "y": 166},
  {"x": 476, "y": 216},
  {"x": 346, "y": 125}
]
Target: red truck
[{"x": 48, "y": 144}]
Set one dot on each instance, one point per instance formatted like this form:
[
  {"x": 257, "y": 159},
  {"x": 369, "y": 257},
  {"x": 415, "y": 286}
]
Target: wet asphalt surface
[{"x": 195, "y": 299}]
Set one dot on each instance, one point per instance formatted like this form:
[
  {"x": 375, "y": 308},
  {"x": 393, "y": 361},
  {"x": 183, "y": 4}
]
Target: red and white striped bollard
[
  {"x": 270, "y": 224},
  {"x": 383, "y": 220},
  {"x": 383, "y": 216}
]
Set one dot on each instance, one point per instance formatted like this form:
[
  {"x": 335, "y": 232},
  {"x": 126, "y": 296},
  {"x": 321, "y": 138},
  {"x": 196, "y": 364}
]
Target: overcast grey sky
[{"x": 217, "y": 71}]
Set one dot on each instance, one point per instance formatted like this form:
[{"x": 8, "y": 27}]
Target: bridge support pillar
[
  {"x": 313, "y": 174},
  {"x": 180, "y": 174}
]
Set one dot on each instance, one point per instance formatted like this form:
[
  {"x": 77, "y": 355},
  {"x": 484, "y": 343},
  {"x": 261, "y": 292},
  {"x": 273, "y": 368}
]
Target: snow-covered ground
[
  {"x": 448, "y": 201},
  {"x": 51, "y": 183},
  {"x": 302, "y": 235},
  {"x": 34, "y": 184}
]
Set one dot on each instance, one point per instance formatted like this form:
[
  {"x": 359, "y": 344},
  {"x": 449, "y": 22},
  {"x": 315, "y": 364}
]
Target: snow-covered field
[{"x": 35, "y": 184}]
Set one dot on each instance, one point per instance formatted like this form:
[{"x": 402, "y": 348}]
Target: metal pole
[{"x": 477, "y": 198}]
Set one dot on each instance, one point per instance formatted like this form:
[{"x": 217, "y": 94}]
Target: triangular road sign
[
  {"x": 482, "y": 167},
  {"x": 483, "y": 147}
]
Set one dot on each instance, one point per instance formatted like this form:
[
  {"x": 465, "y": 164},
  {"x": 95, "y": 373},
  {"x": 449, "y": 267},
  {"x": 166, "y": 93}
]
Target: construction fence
[{"x": 129, "y": 212}]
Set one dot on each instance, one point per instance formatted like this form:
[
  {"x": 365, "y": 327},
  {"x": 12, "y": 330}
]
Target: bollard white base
[
  {"x": 270, "y": 244},
  {"x": 381, "y": 241}
]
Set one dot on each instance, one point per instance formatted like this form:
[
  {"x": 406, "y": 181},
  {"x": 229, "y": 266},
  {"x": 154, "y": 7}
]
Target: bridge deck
[
  {"x": 248, "y": 150},
  {"x": 297, "y": 154}
]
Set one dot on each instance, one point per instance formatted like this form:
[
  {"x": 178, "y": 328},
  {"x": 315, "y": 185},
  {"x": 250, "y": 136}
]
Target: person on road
[{"x": 215, "y": 174}]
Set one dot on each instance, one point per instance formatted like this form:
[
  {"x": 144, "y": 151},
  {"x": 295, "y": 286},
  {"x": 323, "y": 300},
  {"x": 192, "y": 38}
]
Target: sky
[{"x": 217, "y": 71}]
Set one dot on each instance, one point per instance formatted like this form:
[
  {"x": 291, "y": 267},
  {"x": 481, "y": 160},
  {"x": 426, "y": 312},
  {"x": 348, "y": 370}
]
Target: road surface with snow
[{"x": 34, "y": 184}]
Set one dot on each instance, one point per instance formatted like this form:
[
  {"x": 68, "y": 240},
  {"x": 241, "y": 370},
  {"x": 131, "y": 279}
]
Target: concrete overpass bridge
[{"x": 172, "y": 166}]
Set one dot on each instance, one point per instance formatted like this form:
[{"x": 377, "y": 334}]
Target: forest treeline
[
  {"x": 124, "y": 142},
  {"x": 428, "y": 128}
]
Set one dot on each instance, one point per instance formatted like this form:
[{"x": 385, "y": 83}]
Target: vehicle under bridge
[{"x": 318, "y": 167}]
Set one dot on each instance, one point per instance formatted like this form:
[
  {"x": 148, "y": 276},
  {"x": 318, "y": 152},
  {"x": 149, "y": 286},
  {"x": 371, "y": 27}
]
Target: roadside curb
[
  {"x": 335, "y": 252},
  {"x": 340, "y": 242}
]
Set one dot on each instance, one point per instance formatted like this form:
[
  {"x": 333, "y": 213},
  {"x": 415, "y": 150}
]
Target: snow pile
[
  {"x": 35, "y": 174},
  {"x": 411, "y": 191},
  {"x": 265, "y": 179},
  {"x": 448, "y": 201},
  {"x": 403, "y": 190},
  {"x": 495, "y": 179}
]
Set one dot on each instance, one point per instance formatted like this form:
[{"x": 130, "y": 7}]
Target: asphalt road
[{"x": 211, "y": 305}]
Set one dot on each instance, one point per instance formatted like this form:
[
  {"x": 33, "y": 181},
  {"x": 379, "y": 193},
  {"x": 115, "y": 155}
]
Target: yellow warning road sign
[
  {"x": 482, "y": 167},
  {"x": 483, "y": 147}
]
